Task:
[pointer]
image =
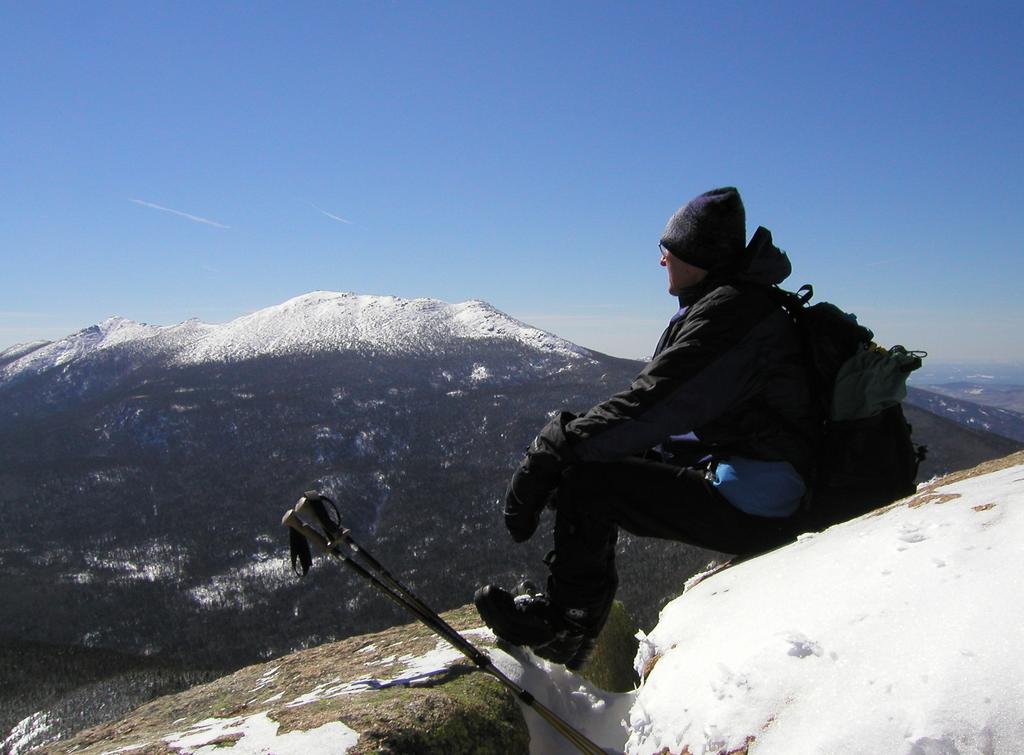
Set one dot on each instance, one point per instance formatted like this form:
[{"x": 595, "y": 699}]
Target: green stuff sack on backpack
[
  {"x": 871, "y": 381},
  {"x": 868, "y": 457}
]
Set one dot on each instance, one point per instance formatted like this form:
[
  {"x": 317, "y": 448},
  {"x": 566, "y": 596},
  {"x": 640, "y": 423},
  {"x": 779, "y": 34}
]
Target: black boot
[
  {"x": 528, "y": 617},
  {"x": 592, "y": 618}
]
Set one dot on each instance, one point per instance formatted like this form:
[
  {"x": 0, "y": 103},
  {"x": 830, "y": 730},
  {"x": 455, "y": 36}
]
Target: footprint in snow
[
  {"x": 801, "y": 646},
  {"x": 912, "y": 536}
]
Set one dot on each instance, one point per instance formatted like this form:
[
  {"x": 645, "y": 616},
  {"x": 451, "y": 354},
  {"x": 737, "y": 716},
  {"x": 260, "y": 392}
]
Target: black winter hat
[{"x": 710, "y": 231}]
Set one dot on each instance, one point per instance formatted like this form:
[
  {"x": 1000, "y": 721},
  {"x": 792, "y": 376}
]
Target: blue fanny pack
[{"x": 761, "y": 488}]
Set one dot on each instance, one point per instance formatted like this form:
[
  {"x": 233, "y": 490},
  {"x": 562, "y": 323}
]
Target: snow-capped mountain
[
  {"x": 164, "y": 456},
  {"x": 318, "y": 322}
]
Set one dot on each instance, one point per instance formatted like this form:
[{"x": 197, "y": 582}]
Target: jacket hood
[{"x": 762, "y": 261}]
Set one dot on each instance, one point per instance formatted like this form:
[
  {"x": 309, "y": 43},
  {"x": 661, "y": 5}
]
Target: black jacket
[{"x": 729, "y": 371}]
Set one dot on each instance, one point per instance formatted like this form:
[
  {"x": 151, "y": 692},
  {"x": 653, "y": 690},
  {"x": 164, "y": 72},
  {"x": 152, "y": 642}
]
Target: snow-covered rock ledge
[{"x": 900, "y": 632}]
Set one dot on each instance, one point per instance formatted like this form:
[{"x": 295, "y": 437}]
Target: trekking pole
[
  {"x": 408, "y": 600},
  {"x": 332, "y": 549},
  {"x": 336, "y": 538},
  {"x": 314, "y": 505}
]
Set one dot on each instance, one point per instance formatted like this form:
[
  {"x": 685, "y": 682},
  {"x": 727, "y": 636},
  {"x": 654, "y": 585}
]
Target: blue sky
[{"x": 171, "y": 160}]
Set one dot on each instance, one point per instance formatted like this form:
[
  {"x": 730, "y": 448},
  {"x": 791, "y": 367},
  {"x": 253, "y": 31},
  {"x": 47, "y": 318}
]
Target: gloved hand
[{"x": 528, "y": 492}]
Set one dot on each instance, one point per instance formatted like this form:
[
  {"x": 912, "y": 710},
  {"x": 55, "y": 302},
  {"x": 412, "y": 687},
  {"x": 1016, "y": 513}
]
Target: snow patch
[
  {"x": 414, "y": 669},
  {"x": 599, "y": 715},
  {"x": 257, "y": 735},
  {"x": 267, "y": 679},
  {"x": 149, "y": 561},
  {"x": 28, "y": 733},
  {"x": 231, "y": 589}
]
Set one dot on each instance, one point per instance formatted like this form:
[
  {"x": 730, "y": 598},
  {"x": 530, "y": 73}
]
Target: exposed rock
[
  {"x": 398, "y": 691},
  {"x": 401, "y": 690}
]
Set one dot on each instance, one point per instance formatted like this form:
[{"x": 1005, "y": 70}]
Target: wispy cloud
[
  {"x": 186, "y": 215},
  {"x": 331, "y": 215}
]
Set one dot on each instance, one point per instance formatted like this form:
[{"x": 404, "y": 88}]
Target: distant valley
[
  {"x": 988, "y": 408},
  {"x": 1009, "y": 397}
]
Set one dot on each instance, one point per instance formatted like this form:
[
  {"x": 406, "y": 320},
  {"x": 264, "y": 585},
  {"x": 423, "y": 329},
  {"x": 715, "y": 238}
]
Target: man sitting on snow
[{"x": 710, "y": 445}]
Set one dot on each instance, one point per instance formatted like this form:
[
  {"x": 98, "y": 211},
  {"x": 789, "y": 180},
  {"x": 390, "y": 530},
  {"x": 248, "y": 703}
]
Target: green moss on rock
[
  {"x": 610, "y": 666},
  {"x": 471, "y": 714}
]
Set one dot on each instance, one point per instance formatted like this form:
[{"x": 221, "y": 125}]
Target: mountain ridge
[
  {"x": 973, "y": 414},
  {"x": 317, "y": 321}
]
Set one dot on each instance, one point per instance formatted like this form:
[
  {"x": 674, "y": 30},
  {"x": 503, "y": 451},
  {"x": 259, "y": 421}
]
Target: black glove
[{"x": 528, "y": 492}]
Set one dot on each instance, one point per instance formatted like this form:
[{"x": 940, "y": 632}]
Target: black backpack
[{"x": 866, "y": 456}]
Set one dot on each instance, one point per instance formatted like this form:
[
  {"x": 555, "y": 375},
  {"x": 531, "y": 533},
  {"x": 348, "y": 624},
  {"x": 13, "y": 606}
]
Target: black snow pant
[{"x": 647, "y": 498}]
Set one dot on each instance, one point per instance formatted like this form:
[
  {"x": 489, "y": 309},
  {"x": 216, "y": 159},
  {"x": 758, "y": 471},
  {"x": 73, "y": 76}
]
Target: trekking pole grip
[
  {"x": 312, "y": 507},
  {"x": 292, "y": 520}
]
